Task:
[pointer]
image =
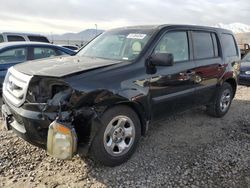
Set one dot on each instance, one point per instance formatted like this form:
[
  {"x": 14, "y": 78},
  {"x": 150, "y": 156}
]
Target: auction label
[{"x": 136, "y": 36}]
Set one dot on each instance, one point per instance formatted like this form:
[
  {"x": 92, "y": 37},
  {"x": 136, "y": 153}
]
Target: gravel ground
[{"x": 190, "y": 149}]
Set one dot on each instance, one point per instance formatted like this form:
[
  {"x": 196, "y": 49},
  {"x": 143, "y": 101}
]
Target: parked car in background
[
  {"x": 103, "y": 99},
  {"x": 244, "y": 49},
  {"x": 244, "y": 78},
  {"x": 71, "y": 47},
  {"x": 15, "y": 37},
  {"x": 12, "y": 53}
]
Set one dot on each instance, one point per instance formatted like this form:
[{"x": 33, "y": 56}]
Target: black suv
[{"x": 102, "y": 100}]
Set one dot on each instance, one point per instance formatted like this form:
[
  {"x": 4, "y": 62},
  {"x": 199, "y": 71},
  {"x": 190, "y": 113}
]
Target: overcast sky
[{"x": 59, "y": 16}]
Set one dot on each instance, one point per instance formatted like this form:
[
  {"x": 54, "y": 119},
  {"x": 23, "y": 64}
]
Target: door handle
[
  {"x": 190, "y": 73},
  {"x": 220, "y": 67}
]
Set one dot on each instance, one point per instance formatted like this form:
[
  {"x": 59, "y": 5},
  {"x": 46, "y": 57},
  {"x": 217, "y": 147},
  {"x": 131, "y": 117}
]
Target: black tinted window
[
  {"x": 175, "y": 43},
  {"x": 229, "y": 45},
  {"x": 13, "y": 38},
  {"x": 1, "y": 38},
  {"x": 38, "y": 39},
  {"x": 203, "y": 45}
]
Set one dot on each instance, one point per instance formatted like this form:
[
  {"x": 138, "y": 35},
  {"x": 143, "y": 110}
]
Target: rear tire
[
  {"x": 221, "y": 102},
  {"x": 117, "y": 139}
]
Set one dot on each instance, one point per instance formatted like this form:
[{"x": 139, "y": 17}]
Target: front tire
[
  {"x": 117, "y": 139},
  {"x": 222, "y": 101}
]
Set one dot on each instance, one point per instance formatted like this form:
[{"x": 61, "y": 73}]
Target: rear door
[
  {"x": 209, "y": 64},
  {"x": 172, "y": 88},
  {"x": 10, "y": 57}
]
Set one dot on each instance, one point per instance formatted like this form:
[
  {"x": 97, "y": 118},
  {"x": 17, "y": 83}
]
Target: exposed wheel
[
  {"x": 117, "y": 139},
  {"x": 222, "y": 101}
]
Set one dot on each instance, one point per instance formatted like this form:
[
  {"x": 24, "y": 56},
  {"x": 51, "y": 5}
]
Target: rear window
[
  {"x": 40, "y": 53},
  {"x": 205, "y": 45},
  {"x": 1, "y": 38},
  {"x": 229, "y": 45},
  {"x": 13, "y": 38},
  {"x": 38, "y": 39}
]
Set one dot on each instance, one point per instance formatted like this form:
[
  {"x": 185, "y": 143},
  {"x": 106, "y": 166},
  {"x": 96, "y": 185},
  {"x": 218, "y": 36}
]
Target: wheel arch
[
  {"x": 233, "y": 83},
  {"x": 138, "y": 109}
]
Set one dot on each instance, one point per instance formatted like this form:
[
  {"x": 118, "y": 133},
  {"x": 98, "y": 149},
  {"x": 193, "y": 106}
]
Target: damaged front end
[
  {"x": 53, "y": 117},
  {"x": 71, "y": 130}
]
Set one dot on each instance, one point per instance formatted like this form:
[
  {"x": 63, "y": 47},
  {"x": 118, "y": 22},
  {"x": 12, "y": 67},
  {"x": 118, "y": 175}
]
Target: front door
[
  {"x": 172, "y": 88},
  {"x": 10, "y": 57}
]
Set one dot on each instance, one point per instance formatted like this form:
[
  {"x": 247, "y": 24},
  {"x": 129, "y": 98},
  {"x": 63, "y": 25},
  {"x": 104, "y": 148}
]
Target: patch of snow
[{"x": 235, "y": 27}]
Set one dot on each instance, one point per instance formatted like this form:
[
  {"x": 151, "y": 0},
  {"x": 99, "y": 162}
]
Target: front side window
[
  {"x": 203, "y": 45},
  {"x": 41, "y": 52},
  {"x": 175, "y": 43},
  {"x": 118, "y": 44},
  {"x": 229, "y": 45},
  {"x": 16, "y": 55},
  {"x": 1, "y": 38},
  {"x": 14, "y": 38}
]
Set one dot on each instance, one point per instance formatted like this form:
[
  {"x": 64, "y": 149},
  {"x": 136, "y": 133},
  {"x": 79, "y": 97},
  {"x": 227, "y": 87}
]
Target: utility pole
[{"x": 95, "y": 29}]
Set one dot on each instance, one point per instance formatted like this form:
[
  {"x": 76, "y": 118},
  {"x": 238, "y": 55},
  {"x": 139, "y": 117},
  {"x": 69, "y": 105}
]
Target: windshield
[
  {"x": 246, "y": 58},
  {"x": 124, "y": 44}
]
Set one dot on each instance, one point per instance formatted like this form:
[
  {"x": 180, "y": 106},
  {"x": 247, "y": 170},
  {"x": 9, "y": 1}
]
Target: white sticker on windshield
[{"x": 136, "y": 36}]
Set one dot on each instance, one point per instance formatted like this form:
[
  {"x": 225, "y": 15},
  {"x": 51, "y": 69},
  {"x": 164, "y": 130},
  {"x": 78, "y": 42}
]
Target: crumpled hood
[{"x": 62, "y": 66}]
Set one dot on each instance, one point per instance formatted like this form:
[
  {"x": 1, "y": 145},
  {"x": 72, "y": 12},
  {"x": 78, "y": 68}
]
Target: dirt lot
[{"x": 190, "y": 149}]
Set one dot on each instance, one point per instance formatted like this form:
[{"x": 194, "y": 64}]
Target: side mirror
[{"x": 161, "y": 59}]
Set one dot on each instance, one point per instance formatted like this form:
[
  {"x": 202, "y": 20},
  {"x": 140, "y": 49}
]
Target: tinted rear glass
[
  {"x": 38, "y": 39},
  {"x": 13, "y": 38},
  {"x": 229, "y": 45},
  {"x": 203, "y": 45}
]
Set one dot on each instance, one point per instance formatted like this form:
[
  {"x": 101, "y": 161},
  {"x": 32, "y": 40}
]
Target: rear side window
[
  {"x": 16, "y": 55},
  {"x": 229, "y": 45},
  {"x": 38, "y": 39},
  {"x": 205, "y": 45},
  {"x": 1, "y": 38},
  {"x": 40, "y": 52},
  {"x": 13, "y": 38},
  {"x": 176, "y": 43}
]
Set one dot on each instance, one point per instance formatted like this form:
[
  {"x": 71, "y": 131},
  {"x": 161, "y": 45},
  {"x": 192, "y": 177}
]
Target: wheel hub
[
  {"x": 119, "y": 135},
  {"x": 225, "y": 100}
]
